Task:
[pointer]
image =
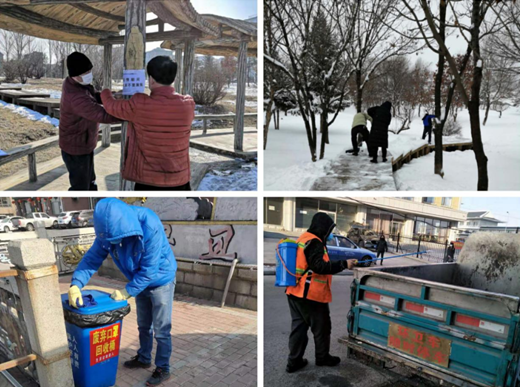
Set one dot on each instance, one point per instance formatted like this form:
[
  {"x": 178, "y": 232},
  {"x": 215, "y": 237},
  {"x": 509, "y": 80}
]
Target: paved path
[
  {"x": 53, "y": 175},
  {"x": 212, "y": 346},
  {"x": 357, "y": 173}
]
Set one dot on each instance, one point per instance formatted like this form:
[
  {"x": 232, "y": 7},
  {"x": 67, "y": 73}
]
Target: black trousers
[
  {"x": 374, "y": 150},
  {"x": 145, "y": 187},
  {"x": 427, "y": 131},
  {"x": 82, "y": 176},
  {"x": 380, "y": 254},
  {"x": 354, "y": 134},
  {"x": 307, "y": 314}
]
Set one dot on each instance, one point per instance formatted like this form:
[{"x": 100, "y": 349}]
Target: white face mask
[{"x": 87, "y": 79}]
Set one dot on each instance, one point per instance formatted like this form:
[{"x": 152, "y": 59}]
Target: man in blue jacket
[
  {"x": 135, "y": 238},
  {"x": 427, "y": 122}
]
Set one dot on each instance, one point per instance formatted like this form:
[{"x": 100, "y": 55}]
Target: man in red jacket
[
  {"x": 80, "y": 115},
  {"x": 159, "y": 128}
]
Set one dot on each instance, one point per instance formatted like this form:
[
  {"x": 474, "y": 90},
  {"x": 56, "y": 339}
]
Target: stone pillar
[
  {"x": 289, "y": 212},
  {"x": 241, "y": 96},
  {"x": 107, "y": 84},
  {"x": 43, "y": 314},
  {"x": 178, "y": 78}
]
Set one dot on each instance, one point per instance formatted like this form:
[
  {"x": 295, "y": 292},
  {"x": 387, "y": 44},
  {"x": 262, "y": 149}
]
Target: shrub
[
  {"x": 9, "y": 70},
  {"x": 452, "y": 128},
  {"x": 208, "y": 84}
]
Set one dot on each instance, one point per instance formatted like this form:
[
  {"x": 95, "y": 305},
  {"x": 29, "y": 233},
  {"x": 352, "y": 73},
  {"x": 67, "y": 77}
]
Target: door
[
  {"x": 348, "y": 249},
  {"x": 334, "y": 251}
]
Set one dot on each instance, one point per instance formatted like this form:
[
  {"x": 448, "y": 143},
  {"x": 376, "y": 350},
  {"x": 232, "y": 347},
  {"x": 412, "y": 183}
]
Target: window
[
  {"x": 327, "y": 206},
  {"x": 427, "y": 200},
  {"x": 344, "y": 242},
  {"x": 273, "y": 211},
  {"x": 332, "y": 242},
  {"x": 345, "y": 217},
  {"x": 446, "y": 202},
  {"x": 5, "y": 202},
  {"x": 305, "y": 210},
  {"x": 411, "y": 199}
]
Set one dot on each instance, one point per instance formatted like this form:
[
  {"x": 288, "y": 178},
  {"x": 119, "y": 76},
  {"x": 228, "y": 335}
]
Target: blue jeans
[{"x": 154, "y": 315}]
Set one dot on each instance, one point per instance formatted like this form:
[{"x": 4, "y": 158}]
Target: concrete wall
[{"x": 200, "y": 279}]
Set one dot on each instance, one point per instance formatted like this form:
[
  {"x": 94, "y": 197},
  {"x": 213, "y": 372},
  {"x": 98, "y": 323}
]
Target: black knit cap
[{"x": 78, "y": 63}]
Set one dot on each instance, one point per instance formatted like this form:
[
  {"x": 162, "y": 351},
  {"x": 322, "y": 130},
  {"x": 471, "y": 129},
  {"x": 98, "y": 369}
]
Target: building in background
[
  {"x": 7, "y": 207},
  {"x": 435, "y": 219},
  {"x": 483, "y": 221},
  {"x": 25, "y": 206}
]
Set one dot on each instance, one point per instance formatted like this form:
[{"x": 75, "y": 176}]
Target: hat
[{"x": 78, "y": 63}]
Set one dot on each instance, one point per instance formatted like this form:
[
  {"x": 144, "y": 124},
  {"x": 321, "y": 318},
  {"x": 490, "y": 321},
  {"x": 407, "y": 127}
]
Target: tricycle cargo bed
[{"x": 429, "y": 314}]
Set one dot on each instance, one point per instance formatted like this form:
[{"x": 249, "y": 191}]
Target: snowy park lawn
[
  {"x": 501, "y": 137},
  {"x": 288, "y": 165}
]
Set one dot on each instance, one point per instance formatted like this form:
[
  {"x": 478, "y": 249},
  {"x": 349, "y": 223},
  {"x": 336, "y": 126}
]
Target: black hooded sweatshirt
[{"x": 321, "y": 226}]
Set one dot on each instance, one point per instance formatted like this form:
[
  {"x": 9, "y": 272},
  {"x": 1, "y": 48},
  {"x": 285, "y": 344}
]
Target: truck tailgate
[{"x": 467, "y": 333}]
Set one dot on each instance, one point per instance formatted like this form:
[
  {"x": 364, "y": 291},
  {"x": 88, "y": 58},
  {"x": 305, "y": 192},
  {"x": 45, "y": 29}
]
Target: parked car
[
  {"x": 83, "y": 218},
  {"x": 65, "y": 219},
  {"x": 363, "y": 237},
  {"x": 4, "y": 259},
  {"x": 6, "y": 224},
  {"x": 29, "y": 222},
  {"x": 341, "y": 248}
]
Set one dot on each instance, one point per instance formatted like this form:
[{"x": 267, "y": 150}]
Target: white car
[
  {"x": 64, "y": 219},
  {"x": 4, "y": 259},
  {"x": 29, "y": 222},
  {"x": 6, "y": 224}
]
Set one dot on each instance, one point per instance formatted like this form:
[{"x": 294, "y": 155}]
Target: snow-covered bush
[{"x": 452, "y": 128}]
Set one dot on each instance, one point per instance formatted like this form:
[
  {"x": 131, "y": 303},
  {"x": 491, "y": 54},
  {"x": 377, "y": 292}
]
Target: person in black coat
[
  {"x": 450, "y": 253},
  {"x": 382, "y": 247},
  {"x": 381, "y": 118}
]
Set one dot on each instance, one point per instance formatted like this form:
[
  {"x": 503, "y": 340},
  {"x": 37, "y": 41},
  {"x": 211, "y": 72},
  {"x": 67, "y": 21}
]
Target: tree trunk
[
  {"x": 438, "y": 169},
  {"x": 324, "y": 129},
  {"x": 268, "y": 115},
  {"x": 277, "y": 119},
  {"x": 359, "y": 95},
  {"x": 488, "y": 105}
]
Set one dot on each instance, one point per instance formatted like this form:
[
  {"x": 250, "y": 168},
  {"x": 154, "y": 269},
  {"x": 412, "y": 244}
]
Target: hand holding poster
[{"x": 133, "y": 82}]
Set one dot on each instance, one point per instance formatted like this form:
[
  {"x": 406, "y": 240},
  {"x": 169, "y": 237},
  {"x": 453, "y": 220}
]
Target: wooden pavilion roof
[{"x": 101, "y": 21}]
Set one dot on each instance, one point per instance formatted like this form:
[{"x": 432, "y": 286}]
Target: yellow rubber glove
[
  {"x": 75, "y": 299},
  {"x": 351, "y": 263},
  {"x": 120, "y": 295}
]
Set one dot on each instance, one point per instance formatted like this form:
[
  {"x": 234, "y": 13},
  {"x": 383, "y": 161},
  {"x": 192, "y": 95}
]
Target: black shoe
[
  {"x": 135, "y": 363},
  {"x": 295, "y": 367},
  {"x": 355, "y": 153},
  {"x": 158, "y": 377},
  {"x": 329, "y": 361},
  {"x": 384, "y": 160},
  {"x": 373, "y": 161}
]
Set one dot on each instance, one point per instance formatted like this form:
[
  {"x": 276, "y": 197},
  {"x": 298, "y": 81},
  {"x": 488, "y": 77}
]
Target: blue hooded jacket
[
  {"x": 427, "y": 119},
  {"x": 144, "y": 255}
]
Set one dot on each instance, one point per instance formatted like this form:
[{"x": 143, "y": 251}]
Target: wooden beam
[
  {"x": 134, "y": 59},
  {"x": 189, "y": 67},
  {"x": 61, "y": 2},
  {"x": 151, "y": 22},
  {"x": 159, "y": 9},
  {"x": 98, "y": 12},
  {"x": 157, "y": 36},
  {"x": 31, "y": 17},
  {"x": 107, "y": 84},
  {"x": 178, "y": 78},
  {"x": 241, "y": 96}
]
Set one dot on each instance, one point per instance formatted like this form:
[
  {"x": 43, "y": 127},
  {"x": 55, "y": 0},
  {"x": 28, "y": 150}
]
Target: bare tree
[{"x": 6, "y": 44}]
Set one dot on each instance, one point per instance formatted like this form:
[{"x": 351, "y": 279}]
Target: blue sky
[{"x": 498, "y": 206}]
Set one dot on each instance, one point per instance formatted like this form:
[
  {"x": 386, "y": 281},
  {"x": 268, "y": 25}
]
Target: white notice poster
[{"x": 133, "y": 82}]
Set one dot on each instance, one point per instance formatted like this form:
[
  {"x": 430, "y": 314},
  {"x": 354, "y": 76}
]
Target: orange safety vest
[{"x": 319, "y": 284}]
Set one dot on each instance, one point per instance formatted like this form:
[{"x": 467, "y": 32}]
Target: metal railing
[{"x": 436, "y": 250}]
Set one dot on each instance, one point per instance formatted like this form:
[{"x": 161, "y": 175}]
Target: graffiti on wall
[
  {"x": 168, "y": 230},
  {"x": 218, "y": 244}
]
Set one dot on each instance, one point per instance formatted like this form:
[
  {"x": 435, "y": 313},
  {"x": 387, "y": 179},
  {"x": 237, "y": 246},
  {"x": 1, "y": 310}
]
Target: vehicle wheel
[
  {"x": 69, "y": 225},
  {"x": 55, "y": 224},
  {"x": 30, "y": 227},
  {"x": 367, "y": 258},
  {"x": 6, "y": 229}
]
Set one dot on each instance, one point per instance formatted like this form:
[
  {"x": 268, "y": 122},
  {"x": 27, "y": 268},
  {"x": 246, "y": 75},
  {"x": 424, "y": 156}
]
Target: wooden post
[
  {"x": 107, "y": 84},
  {"x": 33, "y": 173},
  {"x": 180, "y": 67},
  {"x": 134, "y": 58},
  {"x": 241, "y": 96},
  {"x": 65, "y": 69},
  {"x": 188, "y": 67}
]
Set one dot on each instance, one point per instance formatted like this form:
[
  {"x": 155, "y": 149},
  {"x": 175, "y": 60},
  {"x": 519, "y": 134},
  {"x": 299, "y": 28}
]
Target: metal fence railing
[
  {"x": 436, "y": 250},
  {"x": 69, "y": 250}
]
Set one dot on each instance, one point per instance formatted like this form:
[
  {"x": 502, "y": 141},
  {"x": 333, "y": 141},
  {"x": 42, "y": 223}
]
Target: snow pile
[
  {"x": 53, "y": 93},
  {"x": 243, "y": 179},
  {"x": 30, "y": 114}
]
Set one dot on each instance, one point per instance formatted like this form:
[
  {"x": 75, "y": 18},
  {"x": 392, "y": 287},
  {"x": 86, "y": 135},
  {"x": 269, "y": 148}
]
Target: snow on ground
[
  {"x": 248, "y": 103},
  {"x": 288, "y": 165},
  {"x": 501, "y": 137},
  {"x": 30, "y": 114},
  {"x": 251, "y": 90},
  {"x": 243, "y": 179},
  {"x": 287, "y": 159}
]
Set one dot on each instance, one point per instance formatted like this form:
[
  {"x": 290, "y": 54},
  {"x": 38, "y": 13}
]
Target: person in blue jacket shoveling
[
  {"x": 427, "y": 122},
  {"x": 135, "y": 238}
]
